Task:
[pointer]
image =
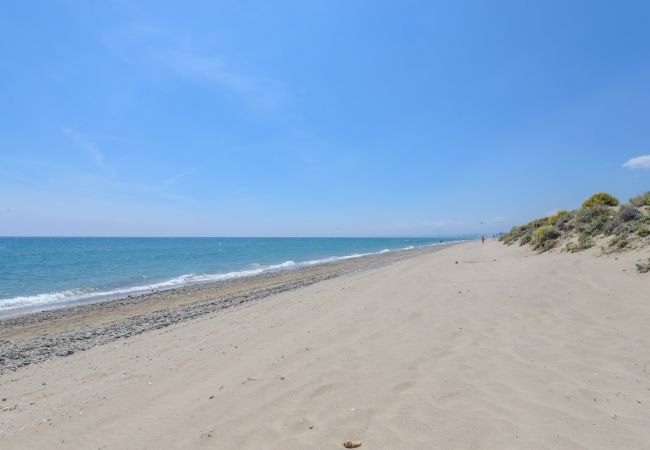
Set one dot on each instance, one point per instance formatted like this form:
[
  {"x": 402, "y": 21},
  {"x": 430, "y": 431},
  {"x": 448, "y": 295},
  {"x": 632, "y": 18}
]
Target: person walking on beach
[{"x": 482, "y": 239}]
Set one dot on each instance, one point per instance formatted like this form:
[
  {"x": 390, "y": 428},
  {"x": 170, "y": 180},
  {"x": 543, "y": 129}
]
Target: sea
[{"x": 39, "y": 273}]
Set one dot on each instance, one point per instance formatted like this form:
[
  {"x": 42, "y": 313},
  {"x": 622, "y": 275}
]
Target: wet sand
[{"x": 34, "y": 337}]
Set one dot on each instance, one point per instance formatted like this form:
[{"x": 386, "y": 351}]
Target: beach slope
[{"x": 473, "y": 346}]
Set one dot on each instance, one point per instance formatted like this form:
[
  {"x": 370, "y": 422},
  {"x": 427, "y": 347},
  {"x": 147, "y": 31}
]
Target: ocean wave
[
  {"x": 341, "y": 258},
  {"x": 90, "y": 295}
]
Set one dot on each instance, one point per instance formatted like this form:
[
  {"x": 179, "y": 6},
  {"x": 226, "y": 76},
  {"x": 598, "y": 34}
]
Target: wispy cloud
[
  {"x": 258, "y": 93},
  {"x": 640, "y": 162},
  {"x": 174, "y": 178},
  {"x": 147, "y": 46},
  {"x": 90, "y": 148},
  {"x": 162, "y": 189},
  {"x": 495, "y": 219},
  {"x": 425, "y": 225}
]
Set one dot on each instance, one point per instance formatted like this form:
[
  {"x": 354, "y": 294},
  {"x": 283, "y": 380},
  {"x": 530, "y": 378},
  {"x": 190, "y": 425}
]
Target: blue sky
[{"x": 317, "y": 118}]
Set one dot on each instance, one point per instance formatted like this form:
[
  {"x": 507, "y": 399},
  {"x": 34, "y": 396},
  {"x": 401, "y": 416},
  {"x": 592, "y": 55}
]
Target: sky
[{"x": 317, "y": 118}]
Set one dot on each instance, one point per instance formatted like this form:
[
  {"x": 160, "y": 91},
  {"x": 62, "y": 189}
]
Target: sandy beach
[{"x": 470, "y": 347}]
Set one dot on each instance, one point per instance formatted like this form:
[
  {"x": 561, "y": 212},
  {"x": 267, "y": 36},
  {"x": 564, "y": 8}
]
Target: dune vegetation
[{"x": 601, "y": 220}]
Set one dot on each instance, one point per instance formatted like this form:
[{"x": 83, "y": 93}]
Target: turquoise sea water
[{"x": 42, "y": 273}]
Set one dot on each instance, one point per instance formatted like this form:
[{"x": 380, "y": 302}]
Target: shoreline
[
  {"x": 175, "y": 282},
  {"x": 36, "y": 336},
  {"x": 525, "y": 351}
]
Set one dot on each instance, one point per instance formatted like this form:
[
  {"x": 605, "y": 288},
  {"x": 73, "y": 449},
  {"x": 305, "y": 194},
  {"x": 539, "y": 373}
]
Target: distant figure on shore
[{"x": 482, "y": 239}]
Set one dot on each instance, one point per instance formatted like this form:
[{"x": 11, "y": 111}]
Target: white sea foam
[
  {"x": 86, "y": 295},
  {"x": 55, "y": 299}
]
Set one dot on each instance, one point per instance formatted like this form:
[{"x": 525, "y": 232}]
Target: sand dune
[{"x": 502, "y": 350}]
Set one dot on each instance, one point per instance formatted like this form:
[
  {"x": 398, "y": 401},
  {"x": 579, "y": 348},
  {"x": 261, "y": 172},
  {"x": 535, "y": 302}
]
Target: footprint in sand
[
  {"x": 403, "y": 386},
  {"x": 324, "y": 389}
]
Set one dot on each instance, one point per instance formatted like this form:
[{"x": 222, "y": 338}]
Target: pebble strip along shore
[{"x": 23, "y": 352}]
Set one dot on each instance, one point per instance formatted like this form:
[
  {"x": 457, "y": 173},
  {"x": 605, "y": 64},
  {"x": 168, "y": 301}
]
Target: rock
[
  {"x": 352, "y": 444},
  {"x": 643, "y": 267}
]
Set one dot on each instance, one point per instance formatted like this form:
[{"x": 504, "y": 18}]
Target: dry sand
[{"x": 503, "y": 350}]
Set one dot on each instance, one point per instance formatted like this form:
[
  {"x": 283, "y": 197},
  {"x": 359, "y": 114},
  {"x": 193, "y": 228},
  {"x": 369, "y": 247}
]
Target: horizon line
[{"x": 446, "y": 236}]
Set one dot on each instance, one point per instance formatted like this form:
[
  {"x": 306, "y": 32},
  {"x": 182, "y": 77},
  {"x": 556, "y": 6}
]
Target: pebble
[{"x": 19, "y": 353}]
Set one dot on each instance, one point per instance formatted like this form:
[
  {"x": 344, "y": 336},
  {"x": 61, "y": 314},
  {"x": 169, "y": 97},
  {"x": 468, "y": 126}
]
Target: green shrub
[
  {"x": 617, "y": 223},
  {"x": 584, "y": 241},
  {"x": 526, "y": 238},
  {"x": 628, "y": 213},
  {"x": 545, "y": 236},
  {"x": 553, "y": 220},
  {"x": 513, "y": 235},
  {"x": 571, "y": 247},
  {"x": 592, "y": 219},
  {"x": 639, "y": 228},
  {"x": 601, "y": 198},
  {"x": 508, "y": 238},
  {"x": 618, "y": 241},
  {"x": 565, "y": 222},
  {"x": 522, "y": 233},
  {"x": 534, "y": 224},
  {"x": 641, "y": 200}
]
